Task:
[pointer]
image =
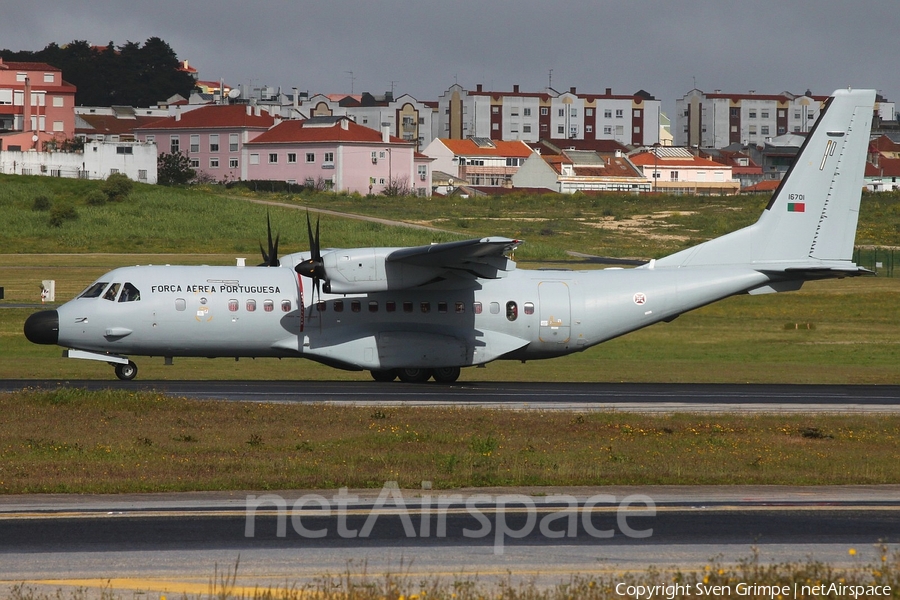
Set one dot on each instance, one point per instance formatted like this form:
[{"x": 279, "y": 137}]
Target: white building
[
  {"x": 581, "y": 171},
  {"x": 98, "y": 161},
  {"x": 531, "y": 116},
  {"x": 718, "y": 120}
]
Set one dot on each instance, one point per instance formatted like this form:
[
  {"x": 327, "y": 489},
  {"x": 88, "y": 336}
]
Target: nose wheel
[{"x": 126, "y": 372}]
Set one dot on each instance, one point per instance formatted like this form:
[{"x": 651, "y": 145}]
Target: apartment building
[
  {"x": 573, "y": 171},
  {"x": 720, "y": 119},
  {"x": 334, "y": 153},
  {"x": 631, "y": 119},
  {"x": 407, "y": 118},
  {"x": 36, "y": 106},
  {"x": 479, "y": 161},
  {"x": 675, "y": 170},
  {"x": 214, "y": 137}
]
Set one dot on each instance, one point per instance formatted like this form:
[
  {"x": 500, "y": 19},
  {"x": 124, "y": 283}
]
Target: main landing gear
[
  {"x": 126, "y": 372},
  {"x": 440, "y": 375}
]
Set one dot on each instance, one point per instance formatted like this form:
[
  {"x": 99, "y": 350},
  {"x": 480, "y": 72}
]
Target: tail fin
[{"x": 811, "y": 220}]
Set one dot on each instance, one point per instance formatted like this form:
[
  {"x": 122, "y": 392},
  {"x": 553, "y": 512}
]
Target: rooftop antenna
[
  {"x": 550, "y": 79},
  {"x": 392, "y": 87},
  {"x": 352, "y": 79}
]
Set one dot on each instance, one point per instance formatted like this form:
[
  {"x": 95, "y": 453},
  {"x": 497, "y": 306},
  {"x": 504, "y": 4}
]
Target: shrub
[
  {"x": 95, "y": 198},
  {"x": 41, "y": 204},
  {"x": 62, "y": 212},
  {"x": 117, "y": 187}
]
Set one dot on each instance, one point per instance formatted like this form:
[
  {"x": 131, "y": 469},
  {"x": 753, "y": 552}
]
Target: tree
[
  {"x": 130, "y": 74},
  {"x": 397, "y": 186},
  {"x": 174, "y": 169}
]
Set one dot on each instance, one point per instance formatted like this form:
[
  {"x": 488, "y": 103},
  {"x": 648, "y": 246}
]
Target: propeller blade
[
  {"x": 318, "y": 255},
  {"x": 314, "y": 267},
  {"x": 270, "y": 256}
]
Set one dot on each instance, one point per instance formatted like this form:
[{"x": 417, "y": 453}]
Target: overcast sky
[{"x": 421, "y": 47}]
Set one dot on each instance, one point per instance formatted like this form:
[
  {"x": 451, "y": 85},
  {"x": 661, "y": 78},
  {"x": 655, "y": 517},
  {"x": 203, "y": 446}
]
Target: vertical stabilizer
[{"x": 811, "y": 219}]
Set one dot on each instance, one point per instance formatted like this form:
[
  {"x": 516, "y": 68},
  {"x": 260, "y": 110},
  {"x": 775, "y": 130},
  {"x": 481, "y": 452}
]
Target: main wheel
[
  {"x": 385, "y": 375},
  {"x": 126, "y": 372},
  {"x": 446, "y": 374},
  {"x": 414, "y": 375}
]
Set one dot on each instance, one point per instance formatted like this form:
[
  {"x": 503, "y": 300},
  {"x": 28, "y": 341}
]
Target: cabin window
[
  {"x": 285, "y": 306},
  {"x": 111, "y": 292},
  {"x": 129, "y": 293},
  {"x": 233, "y": 305},
  {"x": 180, "y": 304},
  {"x": 390, "y": 306},
  {"x": 476, "y": 308},
  {"x": 320, "y": 305},
  {"x": 251, "y": 305},
  {"x": 407, "y": 307},
  {"x": 94, "y": 291},
  {"x": 495, "y": 308},
  {"x": 426, "y": 307},
  {"x": 268, "y": 305},
  {"x": 512, "y": 311},
  {"x": 460, "y": 307},
  {"x": 373, "y": 306},
  {"x": 529, "y": 308},
  {"x": 338, "y": 306},
  {"x": 355, "y": 306},
  {"x": 442, "y": 307}
]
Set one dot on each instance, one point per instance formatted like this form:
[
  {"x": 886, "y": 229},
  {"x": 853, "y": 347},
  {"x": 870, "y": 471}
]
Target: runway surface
[
  {"x": 173, "y": 542},
  {"x": 523, "y": 396}
]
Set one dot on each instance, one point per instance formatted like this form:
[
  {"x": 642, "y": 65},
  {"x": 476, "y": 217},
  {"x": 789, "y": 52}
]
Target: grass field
[
  {"x": 156, "y": 219},
  {"x": 72, "y": 441},
  {"x": 844, "y": 331}
]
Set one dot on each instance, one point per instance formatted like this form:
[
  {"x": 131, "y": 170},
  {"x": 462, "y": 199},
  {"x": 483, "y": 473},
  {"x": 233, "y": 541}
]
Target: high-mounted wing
[
  {"x": 485, "y": 257},
  {"x": 363, "y": 270}
]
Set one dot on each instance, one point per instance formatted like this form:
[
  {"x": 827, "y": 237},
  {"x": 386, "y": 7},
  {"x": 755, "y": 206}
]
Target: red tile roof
[
  {"x": 26, "y": 66},
  {"x": 771, "y": 97},
  {"x": 884, "y": 144},
  {"x": 614, "y": 166},
  {"x": 557, "y": 146},
  {"x": 310, "y": 130},
  {"x": 887, "y": 167},
  {"x": 500, "y": 148},
  {"x": 110, "y": 125},
  {"x": 216, "y": 116},
  {"x": 647, "y": 159},
  {"x": 766, "y": 185}
]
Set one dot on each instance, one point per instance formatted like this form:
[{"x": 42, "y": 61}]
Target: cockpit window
[
  {"x": 129, "y": 293},
  {"x": 95, "y": 290},
  {"x": 112, "y": 291}
]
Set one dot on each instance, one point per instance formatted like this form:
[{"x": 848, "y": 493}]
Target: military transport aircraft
[{"x": 425, "y": 312}]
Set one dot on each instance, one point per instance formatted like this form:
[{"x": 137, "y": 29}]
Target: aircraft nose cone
[{"x": 43, "y": 327}]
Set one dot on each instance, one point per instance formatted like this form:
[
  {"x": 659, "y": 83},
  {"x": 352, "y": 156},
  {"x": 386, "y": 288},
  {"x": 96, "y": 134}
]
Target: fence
[{"x": 880, "y": 260}]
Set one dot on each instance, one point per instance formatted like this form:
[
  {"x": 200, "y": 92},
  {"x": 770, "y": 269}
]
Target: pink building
[
  {"x": 337, "y": 154},
  {"x": 36, "y": 106},
  {"x": 214, "y": 137}
]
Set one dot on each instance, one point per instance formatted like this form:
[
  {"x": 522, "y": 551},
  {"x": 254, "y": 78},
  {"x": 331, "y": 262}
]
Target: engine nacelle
[{"x": 363, "y": 270}]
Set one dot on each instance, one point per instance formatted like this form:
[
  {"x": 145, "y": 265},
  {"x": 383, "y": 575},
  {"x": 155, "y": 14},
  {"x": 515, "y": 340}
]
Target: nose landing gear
[{"x": 126, "y": 372}]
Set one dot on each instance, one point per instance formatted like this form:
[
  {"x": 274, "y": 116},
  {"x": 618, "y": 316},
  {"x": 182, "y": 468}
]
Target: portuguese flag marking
[{"x": 796, "y": 207}]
